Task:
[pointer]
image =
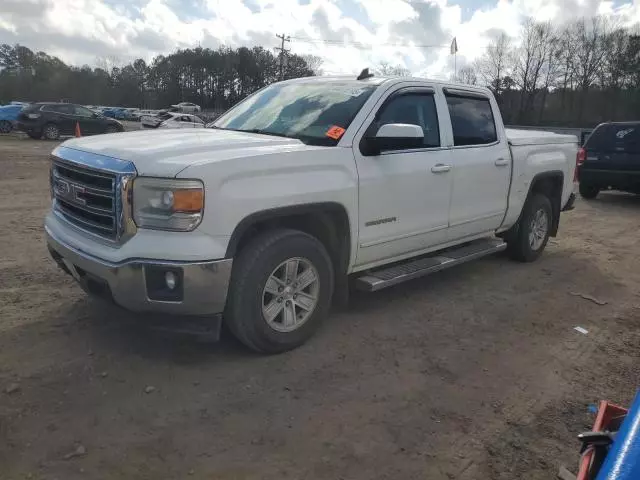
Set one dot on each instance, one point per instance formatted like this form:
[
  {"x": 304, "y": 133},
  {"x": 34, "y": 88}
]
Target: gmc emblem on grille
[{"x": 68, "y": 191}]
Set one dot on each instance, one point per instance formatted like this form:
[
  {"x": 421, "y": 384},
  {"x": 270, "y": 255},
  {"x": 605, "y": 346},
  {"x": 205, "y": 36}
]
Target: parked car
[
  {"x": 172, "y": 120},
  {"x": 610, "y": 159},
  {"x": 375, "y": 182},
  {"x": 53, "y": 120},
  {"x": 187, "y": 107},
  {"x": 9, "y": 117},
  {"x": 114, "y": 112},
  {"x": 132, "y": 114}
]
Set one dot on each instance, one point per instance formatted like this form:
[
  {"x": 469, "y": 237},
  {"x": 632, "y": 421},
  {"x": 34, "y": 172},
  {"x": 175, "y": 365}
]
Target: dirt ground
[{"x": 474, "y": 373}]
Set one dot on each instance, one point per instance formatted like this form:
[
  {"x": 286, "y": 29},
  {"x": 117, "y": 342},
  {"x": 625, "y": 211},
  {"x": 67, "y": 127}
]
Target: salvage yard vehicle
[
  {"x": 53, "y": 120},
  {"x": 187, "y": 107},
  {"x": 172, "y": 120},
  {"x": 300, "y": 190},
  {"x": 9, "y": 117},
  {"x": 610, "y": 159}
]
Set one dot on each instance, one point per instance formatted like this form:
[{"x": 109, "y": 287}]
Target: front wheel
[
  {"x": 280, "y": 291},
  {"x": 588, "y": 192},
  {"x": 532, "y": 234}
]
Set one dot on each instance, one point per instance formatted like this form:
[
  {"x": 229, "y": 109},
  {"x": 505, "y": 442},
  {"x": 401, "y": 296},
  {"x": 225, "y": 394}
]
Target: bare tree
[
  {"x": 387, "y": 70},
  {"x": 531, "y": 60},
  {"x": 467, "y": 74},
  {"x": 591, "y": 48},
  {"x": 494, "y": 65},
  {"x": 314, "y": 63}
]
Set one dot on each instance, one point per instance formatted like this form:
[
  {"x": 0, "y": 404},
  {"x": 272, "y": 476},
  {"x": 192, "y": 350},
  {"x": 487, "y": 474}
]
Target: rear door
[
  {"x": 63, "y": 116},
  {"x": 481, "y": 163}
]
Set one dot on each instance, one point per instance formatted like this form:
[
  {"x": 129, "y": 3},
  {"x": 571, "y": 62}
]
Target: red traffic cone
[{"x": 78, "y": 132}]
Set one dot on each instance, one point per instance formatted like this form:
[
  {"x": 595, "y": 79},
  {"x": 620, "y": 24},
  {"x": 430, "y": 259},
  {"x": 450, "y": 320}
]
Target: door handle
[
  {"x": 501, "y": 162},
  {"x": 440, "y": 168}
]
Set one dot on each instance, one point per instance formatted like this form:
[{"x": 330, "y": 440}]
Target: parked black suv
[
  {"x": 52, "y": 120},
  {"x": 610, "y": 159}
]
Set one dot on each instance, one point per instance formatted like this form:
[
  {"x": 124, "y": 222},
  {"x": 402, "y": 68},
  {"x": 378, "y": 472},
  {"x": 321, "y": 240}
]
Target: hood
[{"x": 165, "y": 153}]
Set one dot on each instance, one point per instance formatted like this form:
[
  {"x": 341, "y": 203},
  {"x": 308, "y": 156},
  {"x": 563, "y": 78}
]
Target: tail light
[{"x": 581, "y": 156}]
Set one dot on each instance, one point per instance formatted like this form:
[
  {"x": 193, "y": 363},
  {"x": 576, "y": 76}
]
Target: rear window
[{"x": 615, "y": 138}]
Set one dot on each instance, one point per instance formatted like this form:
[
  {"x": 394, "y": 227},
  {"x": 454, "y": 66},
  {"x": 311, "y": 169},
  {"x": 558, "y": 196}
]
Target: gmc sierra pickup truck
[{"x": 306, "y": 188}]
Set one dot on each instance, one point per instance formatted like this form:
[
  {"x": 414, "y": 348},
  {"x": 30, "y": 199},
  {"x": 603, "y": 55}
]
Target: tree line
[
  {"x": 215, "y": 79},
  {"x": 577, "y": 75}
]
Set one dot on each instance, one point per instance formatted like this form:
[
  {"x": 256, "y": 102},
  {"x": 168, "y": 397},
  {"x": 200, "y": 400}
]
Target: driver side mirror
[{"x": 393, "y": 136}]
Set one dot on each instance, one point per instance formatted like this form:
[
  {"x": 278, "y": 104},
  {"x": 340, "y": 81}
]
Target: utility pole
[{"x": 283, "y": 52}]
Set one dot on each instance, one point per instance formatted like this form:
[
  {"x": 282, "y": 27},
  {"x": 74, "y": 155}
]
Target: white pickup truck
[{"x": 302, "y": 190}]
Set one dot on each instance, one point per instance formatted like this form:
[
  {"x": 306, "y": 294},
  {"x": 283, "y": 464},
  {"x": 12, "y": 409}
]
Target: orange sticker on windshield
[{"x": 335, "y": 132}]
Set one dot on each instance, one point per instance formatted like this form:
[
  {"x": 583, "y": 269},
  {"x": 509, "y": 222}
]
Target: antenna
[{"x": 364, "y": 74}]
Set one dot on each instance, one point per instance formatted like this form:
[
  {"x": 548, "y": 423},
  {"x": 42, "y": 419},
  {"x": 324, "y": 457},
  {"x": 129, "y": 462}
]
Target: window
[
  {"x": 414, "y": 109},
  {"x": 612, "y": 138},
  {"x": 59, "y": 108},
  {"x": 186, "y": 119},
  {"x": 471, "y": 120},
  {"x": 82, "y": 112}
]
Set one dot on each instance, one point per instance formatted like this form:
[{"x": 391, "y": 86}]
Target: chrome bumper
[{"x": 203, "y": 285}]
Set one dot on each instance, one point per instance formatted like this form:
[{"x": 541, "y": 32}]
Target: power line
[{"x": 361, "y": 44}]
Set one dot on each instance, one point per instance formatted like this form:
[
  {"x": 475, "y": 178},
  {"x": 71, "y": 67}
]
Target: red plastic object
[{"x": 609, "y": 415}]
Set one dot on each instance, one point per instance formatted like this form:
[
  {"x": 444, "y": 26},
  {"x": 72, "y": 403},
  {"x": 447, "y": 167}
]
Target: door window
[
  {"x": 414, "y": 109},
  {"x": 82, "y": 111},
  {"x": 472, "y": 120}
]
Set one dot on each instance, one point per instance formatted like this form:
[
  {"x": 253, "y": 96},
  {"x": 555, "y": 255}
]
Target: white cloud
[{"x": 81, "y": 31}]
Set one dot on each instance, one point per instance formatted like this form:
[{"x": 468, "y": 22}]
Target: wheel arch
[
  {"x": 550, "y": 184},
  {"x": 327, "y": 221}
]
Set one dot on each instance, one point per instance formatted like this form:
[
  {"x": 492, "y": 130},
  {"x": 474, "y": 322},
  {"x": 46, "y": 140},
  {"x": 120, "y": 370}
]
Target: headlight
[{"x": 168, "y": 204}]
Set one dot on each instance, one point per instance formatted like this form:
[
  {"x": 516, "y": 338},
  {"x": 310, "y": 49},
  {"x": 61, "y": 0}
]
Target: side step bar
[{"x": 375, "y": 280}]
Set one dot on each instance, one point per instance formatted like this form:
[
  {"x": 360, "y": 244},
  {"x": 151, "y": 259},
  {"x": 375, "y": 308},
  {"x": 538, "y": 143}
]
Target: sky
[{"x": 415, "y": 34}]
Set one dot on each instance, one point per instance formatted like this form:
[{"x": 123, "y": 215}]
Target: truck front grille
[{"x": 86, "y": 197}]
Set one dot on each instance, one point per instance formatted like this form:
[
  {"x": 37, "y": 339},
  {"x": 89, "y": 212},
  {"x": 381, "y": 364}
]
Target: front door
[
  {"x": 404, "y": 193},
  {"x": 481, "y": 162},
  {"x": 90, "y": 123}
]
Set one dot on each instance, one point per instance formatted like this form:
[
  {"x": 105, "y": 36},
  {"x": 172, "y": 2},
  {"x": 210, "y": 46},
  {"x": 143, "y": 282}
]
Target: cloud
[{"x": 367, "y": 32}]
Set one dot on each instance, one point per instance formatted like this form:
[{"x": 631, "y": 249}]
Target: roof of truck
[{"x": 388, "y": 80}]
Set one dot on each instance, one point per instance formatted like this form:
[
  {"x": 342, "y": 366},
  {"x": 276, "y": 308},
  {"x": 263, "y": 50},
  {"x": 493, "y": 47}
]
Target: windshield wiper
[{"x": 265, "y": 132}]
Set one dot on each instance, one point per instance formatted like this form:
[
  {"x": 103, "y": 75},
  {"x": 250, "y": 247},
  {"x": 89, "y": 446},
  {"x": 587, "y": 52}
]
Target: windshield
[{"x": 315, "y": 112}]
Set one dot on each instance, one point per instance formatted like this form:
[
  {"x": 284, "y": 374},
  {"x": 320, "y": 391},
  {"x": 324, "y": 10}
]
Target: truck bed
[{"x": 537, "y": 137}]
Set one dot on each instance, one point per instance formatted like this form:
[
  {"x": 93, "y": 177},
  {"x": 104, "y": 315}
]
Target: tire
[
  {"x": 532, "y": 233},
  {"x": 5, "y": 126},
  {"x": 266, "y": 257},
  {"x": 51, "y": 131},
  {"x": 588, "y": 192}
]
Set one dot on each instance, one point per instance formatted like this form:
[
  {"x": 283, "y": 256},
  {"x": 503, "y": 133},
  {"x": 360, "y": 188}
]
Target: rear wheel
[
  {"x": 51, "y": 131},
  {"x": 532, "y": 234},
  {"x": 5, "y": 126},
  {"x": 280, "y": 291},
  {"x": 588, "y": 192}
]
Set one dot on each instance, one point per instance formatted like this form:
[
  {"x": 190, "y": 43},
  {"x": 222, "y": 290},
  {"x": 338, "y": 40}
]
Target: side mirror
[{"x": 393, "y": 136}]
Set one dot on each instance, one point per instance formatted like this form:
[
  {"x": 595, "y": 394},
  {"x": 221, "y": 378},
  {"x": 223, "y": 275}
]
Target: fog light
[{"x": 170, "y": 280}]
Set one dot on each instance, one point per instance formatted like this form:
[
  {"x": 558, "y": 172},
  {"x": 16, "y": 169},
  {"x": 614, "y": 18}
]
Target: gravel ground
[{"x": 474, "y": 373}]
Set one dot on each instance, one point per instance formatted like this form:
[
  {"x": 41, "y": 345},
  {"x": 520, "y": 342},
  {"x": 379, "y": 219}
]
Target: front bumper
[{"x": 134, "y": 284}]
